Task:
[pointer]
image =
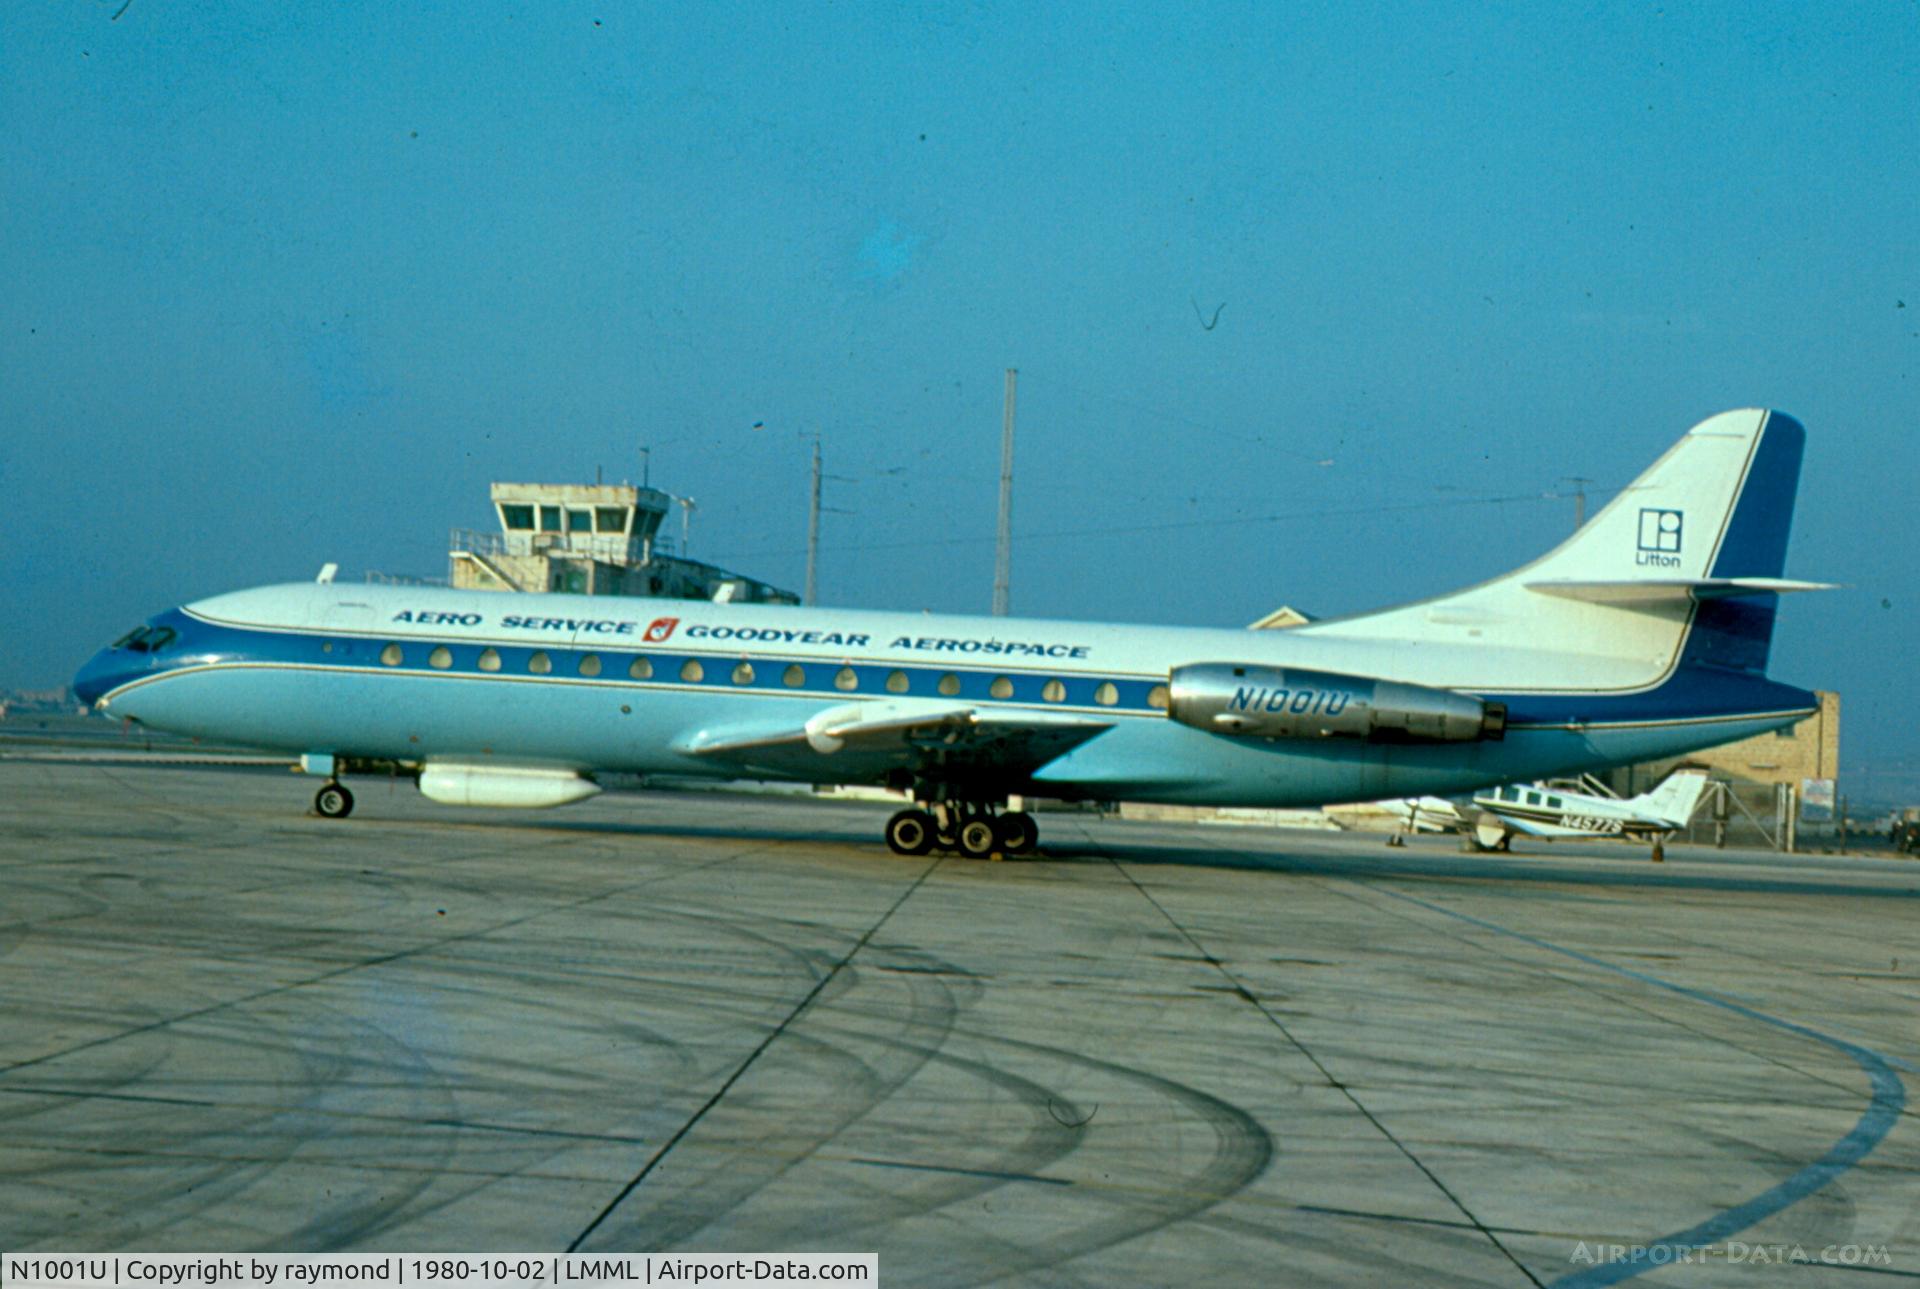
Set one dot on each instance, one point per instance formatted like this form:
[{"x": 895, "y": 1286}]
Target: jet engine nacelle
[
  {"x": 1290, "y": 702},
  {"x": 514, "y": 788}
]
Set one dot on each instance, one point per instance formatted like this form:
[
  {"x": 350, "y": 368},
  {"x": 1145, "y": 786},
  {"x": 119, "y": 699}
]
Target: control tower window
[
  {"x": 610, "y": 519},
  {"x": 549, "y": 519},
  {"x": 519, "y": 518},
  {"x": 579, "y": 521}
]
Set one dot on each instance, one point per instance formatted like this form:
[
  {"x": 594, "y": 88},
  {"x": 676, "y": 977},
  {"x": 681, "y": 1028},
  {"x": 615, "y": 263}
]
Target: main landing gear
[
  {"x": 333, "y": 801},
  {"x": 971, "y": 828}
]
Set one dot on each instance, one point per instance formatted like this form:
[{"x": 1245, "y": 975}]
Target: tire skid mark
[
  {"x": 1884, "y": 1109},
  {"x": 290, "y": 1102},
  {"x": 726, "y": 1086},
  {"x": 1339, "y": 1085},
  {"x": 929, "y": 1016}
]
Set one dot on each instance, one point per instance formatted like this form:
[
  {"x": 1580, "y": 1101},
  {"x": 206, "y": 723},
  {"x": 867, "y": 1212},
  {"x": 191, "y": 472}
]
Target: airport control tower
[{"x": 591, "y": 539}]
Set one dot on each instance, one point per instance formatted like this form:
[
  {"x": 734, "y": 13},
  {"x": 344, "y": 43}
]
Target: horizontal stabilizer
[{"x": 1670, "y": 590}]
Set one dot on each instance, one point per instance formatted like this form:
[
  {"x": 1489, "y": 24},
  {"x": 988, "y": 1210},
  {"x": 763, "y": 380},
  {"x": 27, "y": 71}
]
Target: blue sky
[{"x": 289, "y": 284}]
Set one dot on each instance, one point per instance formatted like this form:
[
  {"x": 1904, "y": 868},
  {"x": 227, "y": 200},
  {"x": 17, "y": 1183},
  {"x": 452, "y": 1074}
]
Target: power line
[{"x": 1177, "y": 525}]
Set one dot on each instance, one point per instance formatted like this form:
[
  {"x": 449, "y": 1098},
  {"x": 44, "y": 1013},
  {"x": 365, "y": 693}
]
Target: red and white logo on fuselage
[{"x": 659, "y": 629}]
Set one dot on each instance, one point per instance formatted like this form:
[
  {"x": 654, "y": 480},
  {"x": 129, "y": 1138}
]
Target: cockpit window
[{"x": 146, "y": 639}]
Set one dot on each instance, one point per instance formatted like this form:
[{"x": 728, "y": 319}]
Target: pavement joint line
[
  {"x": 378, "y": 960},
  {"x": 1613, "y": 998},
  {"x": 740, "y": 1071},
  {"x": 1884, "y": 1110},
  {"x": 1327, "y": 1074}
]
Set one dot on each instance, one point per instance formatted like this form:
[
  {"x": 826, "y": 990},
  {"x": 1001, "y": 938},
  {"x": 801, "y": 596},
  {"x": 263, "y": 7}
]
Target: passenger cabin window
[
  {"x": 1157, "y": 697},
  {"x": 846, "y": 678},
  {"x": 692, "y": 672},
  {"x": 518, "y": 518},
  {"x": 641, "y": 669},
  {"x": 1054, "y": 691},
  {"x": 1107, "y": 694},
  {"x": 610, "y": 519},
  {"x": 795, "y": 676},
  {"x": 539, "y": 664},
  {"x": 897, "y": 682},
  {"x": 949, "y": 684},
  {"x": 391, "y": 655},
  {"x": 743, "y": 673},
  {"x": 441, "y": 657},
  {"x": 589, "y": 664},
  {"x": 1001, "y": 687},
  {"x": 489, "y": 660}
]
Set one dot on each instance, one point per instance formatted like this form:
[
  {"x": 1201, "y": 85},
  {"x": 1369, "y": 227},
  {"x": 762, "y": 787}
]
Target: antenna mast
[
  {"x": 813, "y": 526},
  {"x": 1003, "y": 551}
]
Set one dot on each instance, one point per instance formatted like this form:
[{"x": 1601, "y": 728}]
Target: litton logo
[{"x": 659, "y": 629}]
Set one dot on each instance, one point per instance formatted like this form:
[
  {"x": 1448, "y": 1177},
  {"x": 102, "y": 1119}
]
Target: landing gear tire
[
  {"x": 976, "y": 838},
  {"x": 910, "y": 833},
  {"x": 333, "y": 802},
  {"x": 1017, "y": 832}
]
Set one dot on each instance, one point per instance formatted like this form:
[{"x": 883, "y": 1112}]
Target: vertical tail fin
[
  {"x": 1690, "y": 554},
  {"x": 1673, "y": 800}
]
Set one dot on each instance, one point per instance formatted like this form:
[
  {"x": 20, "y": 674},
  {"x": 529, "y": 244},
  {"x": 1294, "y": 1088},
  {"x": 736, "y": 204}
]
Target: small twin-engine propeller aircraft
[
  {"x": 1643, "y": 636},
  {"x": 1495, "y": 816}
]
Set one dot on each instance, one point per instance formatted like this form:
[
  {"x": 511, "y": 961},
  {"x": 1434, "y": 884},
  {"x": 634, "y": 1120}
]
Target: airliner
[{"x": 1644, "y": 635}]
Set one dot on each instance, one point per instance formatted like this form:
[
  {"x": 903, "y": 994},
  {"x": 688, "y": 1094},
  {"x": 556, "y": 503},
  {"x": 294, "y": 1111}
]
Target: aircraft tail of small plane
[
  {"x": 1683, "y": 567},
  {"x": 1673, "y": 799}
]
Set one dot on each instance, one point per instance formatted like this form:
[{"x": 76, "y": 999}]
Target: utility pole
[
  {"x": 1579, "y": 499},
  {"x": 813, "y": 526},
  {"x": 1003, "y": 552}
]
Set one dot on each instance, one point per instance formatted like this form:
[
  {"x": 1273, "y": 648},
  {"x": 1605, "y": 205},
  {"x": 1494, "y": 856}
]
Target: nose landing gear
[
  {"x": 333, "y": 801},
  {"x": 975, "y": 829}
]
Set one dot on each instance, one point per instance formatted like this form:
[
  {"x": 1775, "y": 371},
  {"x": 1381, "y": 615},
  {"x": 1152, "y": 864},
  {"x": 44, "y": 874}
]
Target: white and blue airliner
[{"x": 1643, "y": 636}]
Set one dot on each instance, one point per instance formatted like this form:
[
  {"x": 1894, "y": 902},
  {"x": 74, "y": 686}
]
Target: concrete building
[
  {"x": 1809, "y": 751},
  {"x": 591, "y": 539}
]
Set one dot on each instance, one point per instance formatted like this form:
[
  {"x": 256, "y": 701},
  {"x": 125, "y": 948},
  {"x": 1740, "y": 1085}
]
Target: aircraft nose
[{"x": 96, "y": 678}]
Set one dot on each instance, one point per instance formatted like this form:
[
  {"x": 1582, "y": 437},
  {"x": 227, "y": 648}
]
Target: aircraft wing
[
  {"x": 866, "y": 740},
  {"x": 1541, "y": 828}
]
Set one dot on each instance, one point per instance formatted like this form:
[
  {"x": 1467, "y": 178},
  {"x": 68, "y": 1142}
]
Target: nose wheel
[
  {"x": 969, "y": 829},
  {"x": 333, "y": 802}
]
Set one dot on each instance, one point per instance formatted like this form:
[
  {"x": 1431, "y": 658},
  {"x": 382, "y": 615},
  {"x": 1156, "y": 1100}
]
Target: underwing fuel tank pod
[{"x": 1291, "y": 702}]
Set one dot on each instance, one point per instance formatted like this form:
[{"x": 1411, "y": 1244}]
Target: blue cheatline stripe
[
  {"x": 1875, "y": 1122},
  {"x": 1709, "y": 694}
]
